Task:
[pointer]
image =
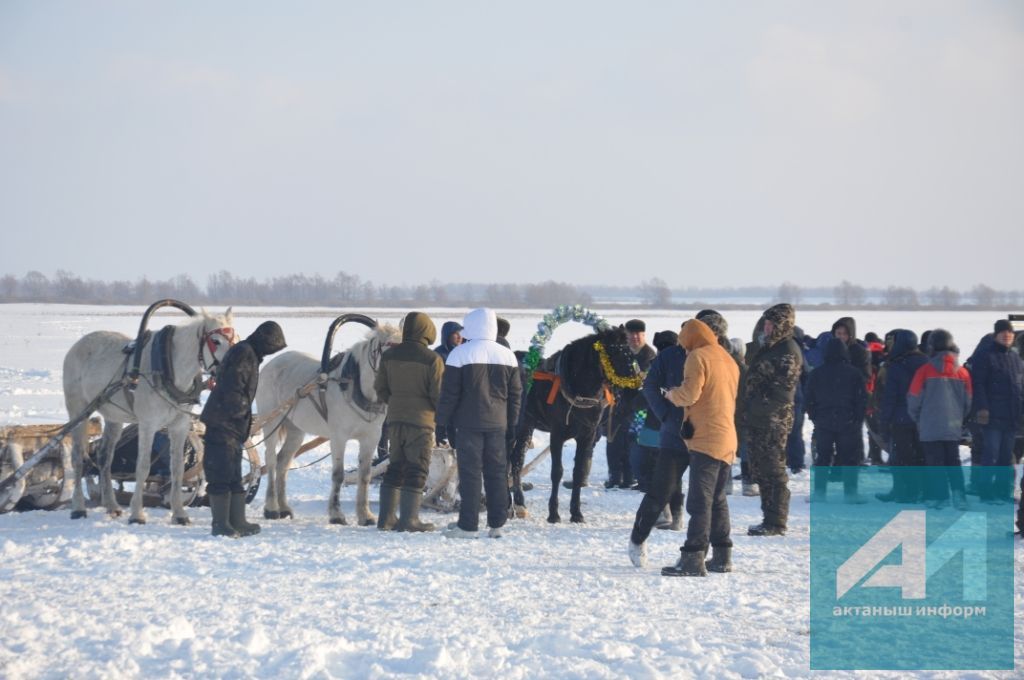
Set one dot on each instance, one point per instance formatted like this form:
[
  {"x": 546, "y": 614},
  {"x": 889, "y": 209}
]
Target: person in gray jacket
[
  {"x": 939, "y": 400},
  {"x": 480, "y": 395}
]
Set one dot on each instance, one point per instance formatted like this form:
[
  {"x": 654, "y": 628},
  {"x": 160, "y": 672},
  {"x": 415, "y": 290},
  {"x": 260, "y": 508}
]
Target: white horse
[
  {"x": 351, "y": 413},
  {"x": 98, "y": 361}
]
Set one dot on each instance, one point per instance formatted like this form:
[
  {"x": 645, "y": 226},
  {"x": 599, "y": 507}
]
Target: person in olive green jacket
[{"x": 409, "y": 382}]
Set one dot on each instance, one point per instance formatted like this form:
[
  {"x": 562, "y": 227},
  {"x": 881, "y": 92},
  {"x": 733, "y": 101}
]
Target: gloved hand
[{"x": 981, "y": 417}]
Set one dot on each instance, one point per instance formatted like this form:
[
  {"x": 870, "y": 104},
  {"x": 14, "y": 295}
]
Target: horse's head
[
  {"x": 618, "y": 363},
  {"x": 216, "y": 335}
]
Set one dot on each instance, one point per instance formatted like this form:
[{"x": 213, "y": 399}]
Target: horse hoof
[
  {"x": 182, "y": 521},
  {"x": 286, "y": 514},
  {"x": 368, "y": 522},
  {"x": 339, "y": 520},
  {"x": 115, "y": 513},
  {"x": 271, "y": 514},
  {"x": 521, "y": 512},
  {"x": 578, "y": 519},
  {"x": 78, "y": 514},
  {"x": 554, "y": 519},
  {"x": 136, "y": 520}
]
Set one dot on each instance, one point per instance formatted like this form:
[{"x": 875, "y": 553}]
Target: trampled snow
[{"x": 100, "y": 598}]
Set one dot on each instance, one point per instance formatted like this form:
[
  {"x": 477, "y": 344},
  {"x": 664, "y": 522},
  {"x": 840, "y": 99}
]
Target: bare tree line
[{"x": 348, "y": 290}]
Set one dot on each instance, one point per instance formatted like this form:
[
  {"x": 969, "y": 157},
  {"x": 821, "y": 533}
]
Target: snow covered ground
[{"x": 99, "y": 598}]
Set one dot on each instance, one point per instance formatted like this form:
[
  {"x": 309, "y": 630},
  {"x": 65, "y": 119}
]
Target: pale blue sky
[{"x": 704, "y": 143}]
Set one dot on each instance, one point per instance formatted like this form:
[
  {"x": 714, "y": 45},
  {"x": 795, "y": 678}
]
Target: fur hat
[
  {"x": 503, "y": 327},
  {"x": 636, "y": 326},
  {"x": 941, "y": 340},
  {"x": 715, "y": 321}
]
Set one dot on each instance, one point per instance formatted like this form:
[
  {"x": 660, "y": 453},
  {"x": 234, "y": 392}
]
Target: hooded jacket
[
  {"x": 904, "y": 360},
  {"x": 769, "y": 384},
  {"x": 836, "y": 398},
  {"x": 939, "y": 399},
  {"x": 445, "y": 348},
  {"x": 860, "y": 358},
  {"x": 409, "y": 377},
  {"x": 228, "y": 412},
  {"x": 708, "y": 392},
  {"x": 481, "y": 389}
]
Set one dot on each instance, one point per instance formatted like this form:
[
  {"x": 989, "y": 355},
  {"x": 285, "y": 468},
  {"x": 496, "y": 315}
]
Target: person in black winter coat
[
  {"x": 998, "y": 380},
  {"x": 895, "y": 419},
  {"x": 665, "y": 373},
  {"x": 836, "y": 401},
  {"x": 228, "y": 419}
]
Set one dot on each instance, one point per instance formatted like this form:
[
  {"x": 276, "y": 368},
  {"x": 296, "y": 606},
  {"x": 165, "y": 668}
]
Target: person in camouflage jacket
[{"x": 769, "y": 387}]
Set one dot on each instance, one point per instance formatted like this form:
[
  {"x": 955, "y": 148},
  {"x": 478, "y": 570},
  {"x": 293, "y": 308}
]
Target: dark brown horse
[{"x": 569, "y": 393}]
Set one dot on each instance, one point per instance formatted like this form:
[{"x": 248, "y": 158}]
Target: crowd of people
[{"x": 706, "y": 401}]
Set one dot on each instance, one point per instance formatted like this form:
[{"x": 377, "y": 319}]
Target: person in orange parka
[{"x": 708, "y": 395}]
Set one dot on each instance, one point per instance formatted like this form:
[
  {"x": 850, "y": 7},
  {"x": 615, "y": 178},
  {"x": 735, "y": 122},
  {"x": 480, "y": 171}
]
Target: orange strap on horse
[{"x": 556, "y": 383}]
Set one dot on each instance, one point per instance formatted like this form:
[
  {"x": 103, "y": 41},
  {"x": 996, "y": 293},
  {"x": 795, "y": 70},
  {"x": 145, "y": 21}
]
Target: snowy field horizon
[{"x": 100, "y": 598}]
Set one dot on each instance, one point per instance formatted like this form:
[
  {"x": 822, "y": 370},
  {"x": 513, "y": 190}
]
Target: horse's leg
[
  {"x": 111, "y": 433},
  {"x": 580, "y": 471},
  {"x": 178, "y": 433},
  {"x": 78, "y": 440},
  {"x": 292, "y": 443},
  {"x": 146, "y": 434},
  {"x": 515, "y": 461},
  {"x": 270, "y": 507},
  {"x": 367, "y": 449},
  {"x": 334, "y": 511},
  {"x": 557, "y": 440}
]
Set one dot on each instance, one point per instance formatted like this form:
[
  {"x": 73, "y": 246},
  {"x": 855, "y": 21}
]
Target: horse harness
[
  {"x": 559, "y": 386},
  {"x": 162, "y": 365},
  {"x": 349, "y": 383}
]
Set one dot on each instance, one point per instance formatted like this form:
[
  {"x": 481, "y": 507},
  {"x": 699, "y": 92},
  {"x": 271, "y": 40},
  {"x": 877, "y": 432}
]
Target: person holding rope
[
  {"x": 228, "y": 419},
  {"x": 409, "y": 382}
]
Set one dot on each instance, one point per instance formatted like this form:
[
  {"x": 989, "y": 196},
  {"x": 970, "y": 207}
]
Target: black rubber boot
[
  {"x": 386, "y": 518},
  {"x": 721, "y": 559},
  {"x": 409, "y": 512},
  {"x": 236, "y": 516},
  {"x": 220, "y": 508},
  {"x": 765, "y": 530},
  {"x": 689, "y": 564}
]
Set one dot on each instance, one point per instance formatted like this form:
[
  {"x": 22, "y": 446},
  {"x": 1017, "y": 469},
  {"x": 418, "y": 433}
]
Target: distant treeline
[{"x": 347, "y": 290}]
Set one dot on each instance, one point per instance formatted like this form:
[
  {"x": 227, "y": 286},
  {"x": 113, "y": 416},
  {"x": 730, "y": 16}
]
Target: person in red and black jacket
[
  {"x": 876, "y": 349},
  {"x": 939, "y": 401}
]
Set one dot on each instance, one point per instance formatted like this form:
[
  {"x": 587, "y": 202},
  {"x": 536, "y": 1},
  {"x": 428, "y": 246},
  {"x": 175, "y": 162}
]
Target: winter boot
[
  {"x": 689, "y": 564},
  {"x": 664, "y": 519},
  {"x": 763, "y": 529},
  {"x": 455, "y": 531},
  {"x": 751, "y": 489},
  {"x": 220, "y": 508},
  {"x": 850, "y": 495},
  {"x": 721, "y": 559},
  {"x": 409, "y": 512},
  {"x": 638, "y": 554},
  {"x": 237, "y": 516},
  {"x": 386, "y": 517}
]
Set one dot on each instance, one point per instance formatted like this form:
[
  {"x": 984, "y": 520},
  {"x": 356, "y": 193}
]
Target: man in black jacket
[{"x": 228, "y": 419}]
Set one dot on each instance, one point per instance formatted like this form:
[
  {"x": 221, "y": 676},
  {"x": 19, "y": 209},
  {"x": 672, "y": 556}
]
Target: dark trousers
[
  {"x": 410, "y": 447},
  {"x": 944, "y": 457},
  {"x": 617, "y": 450},
  {"x": 666, "y": 487},
  {"x": 482, "y": 453},
  {"x": 908, "y": 486},
  {"x": 642, "y": 459},
  {"x": 996, "y": 452},
  {"x": 222, "y": 464},
  {"x": 707, "y": 505},
  {"x": 839, "y": 448},
  {"x": 768, "y": 466}
]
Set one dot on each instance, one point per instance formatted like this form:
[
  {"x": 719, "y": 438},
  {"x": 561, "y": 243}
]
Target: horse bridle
[{"x": 206, "y": 342}]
